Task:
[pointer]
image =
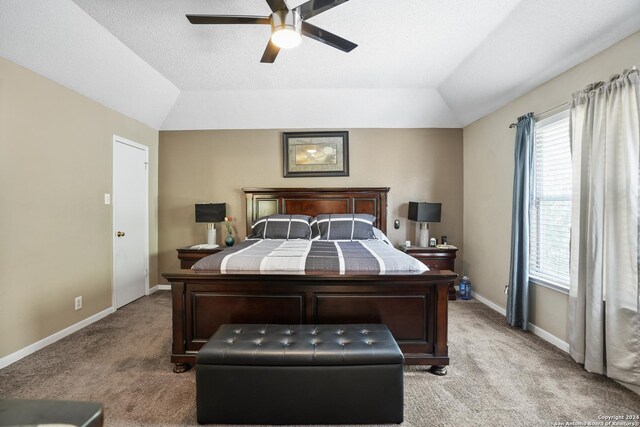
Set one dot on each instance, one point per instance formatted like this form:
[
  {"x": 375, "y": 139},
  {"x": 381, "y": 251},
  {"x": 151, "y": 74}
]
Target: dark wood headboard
[{"x": 315, "y": 201}]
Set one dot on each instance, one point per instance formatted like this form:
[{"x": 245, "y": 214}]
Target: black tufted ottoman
[{"x": 300, "y": 374}]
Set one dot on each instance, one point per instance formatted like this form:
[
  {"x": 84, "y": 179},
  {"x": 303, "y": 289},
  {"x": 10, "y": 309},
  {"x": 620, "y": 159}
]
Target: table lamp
[
  {"x": 424, "y": 213},
  {"x": 211, "y": 213}
]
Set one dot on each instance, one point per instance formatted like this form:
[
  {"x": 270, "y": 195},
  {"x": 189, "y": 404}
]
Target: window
[{"x": 550, "y": 204}]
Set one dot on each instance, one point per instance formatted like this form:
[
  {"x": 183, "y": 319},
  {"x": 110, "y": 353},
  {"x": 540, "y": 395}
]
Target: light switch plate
[{"x": 107, "y": 198}]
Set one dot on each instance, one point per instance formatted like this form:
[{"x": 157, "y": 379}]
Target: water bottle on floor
[{"x": 465, "y": 288}]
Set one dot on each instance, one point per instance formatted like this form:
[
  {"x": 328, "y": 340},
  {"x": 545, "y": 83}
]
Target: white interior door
[{"x": 130, "y": 221}]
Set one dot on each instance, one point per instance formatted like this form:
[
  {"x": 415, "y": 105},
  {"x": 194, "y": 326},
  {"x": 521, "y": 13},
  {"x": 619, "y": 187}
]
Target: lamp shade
[
  {"x": 210, "y": 212},
  {"x": 424, "y": 212}
]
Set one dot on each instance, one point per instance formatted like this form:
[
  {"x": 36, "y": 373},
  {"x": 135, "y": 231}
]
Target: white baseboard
[
  {"x": 548, "y": 337},
  {"x": 14, "y": 357},
  {"x": 159, "y": 287},
  {"x": 489, "y": 303},
  {"x": 536, "y": 330}
]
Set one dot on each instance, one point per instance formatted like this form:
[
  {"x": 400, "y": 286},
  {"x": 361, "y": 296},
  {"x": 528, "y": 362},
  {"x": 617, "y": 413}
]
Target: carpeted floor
[{"x": 498, "y": 376}]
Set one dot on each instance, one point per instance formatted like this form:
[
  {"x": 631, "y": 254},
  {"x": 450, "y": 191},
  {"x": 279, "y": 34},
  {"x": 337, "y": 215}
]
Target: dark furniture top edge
[
  {"x": 426, "y": 249},
  {"x": 307, "y": 190},
  {"x": 351, "y": 278}
]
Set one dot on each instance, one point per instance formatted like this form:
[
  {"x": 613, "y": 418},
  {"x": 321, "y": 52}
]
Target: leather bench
[{"x": 300, "y": 374}]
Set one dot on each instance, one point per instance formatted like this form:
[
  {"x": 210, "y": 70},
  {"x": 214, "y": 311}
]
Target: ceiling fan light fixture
[
  {"x": 287, "y": 26},
  {"x": 286, "y": 38},
  {"x": 286, "y": 29}
]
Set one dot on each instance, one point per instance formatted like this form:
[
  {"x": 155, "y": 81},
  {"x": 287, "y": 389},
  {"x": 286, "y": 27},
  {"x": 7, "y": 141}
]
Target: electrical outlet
[{"x": 78, "y": 303}]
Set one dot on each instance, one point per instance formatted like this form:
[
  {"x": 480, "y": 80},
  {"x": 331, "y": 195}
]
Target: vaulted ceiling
[{"x": 419, "y": 63}]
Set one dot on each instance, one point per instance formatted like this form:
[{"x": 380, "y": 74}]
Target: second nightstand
[
  {"x": 435, "y": 259},
  {"x": 189, "y": 256}
]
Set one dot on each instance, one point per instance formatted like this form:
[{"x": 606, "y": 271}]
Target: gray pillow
[
  {"x": 343, "y": 227},
  {"x": 280, "y": 226}
]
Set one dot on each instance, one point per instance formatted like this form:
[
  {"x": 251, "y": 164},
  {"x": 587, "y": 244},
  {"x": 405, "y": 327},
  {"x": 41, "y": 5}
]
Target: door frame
[{"x": 120, "y": 140}]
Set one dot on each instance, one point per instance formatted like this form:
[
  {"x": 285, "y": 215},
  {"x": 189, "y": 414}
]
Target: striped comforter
[{"x": 305, "y": 256}]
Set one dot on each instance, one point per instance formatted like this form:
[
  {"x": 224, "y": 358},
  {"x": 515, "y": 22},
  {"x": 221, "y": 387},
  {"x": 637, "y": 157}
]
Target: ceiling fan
[{"x": 287, "y": 25}]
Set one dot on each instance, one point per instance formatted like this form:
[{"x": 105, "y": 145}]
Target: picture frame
[{"x": 315, "y": 154}]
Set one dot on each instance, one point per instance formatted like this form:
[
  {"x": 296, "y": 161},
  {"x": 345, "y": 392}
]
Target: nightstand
[
  {"x": 189, "y": 256},
  {"x": 435, "y": 259}
]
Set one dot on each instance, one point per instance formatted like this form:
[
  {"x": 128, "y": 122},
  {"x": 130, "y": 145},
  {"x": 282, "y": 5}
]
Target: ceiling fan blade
[
  {"x": 277, "y": 5},
  {"x": 327, "y": 38},
  {"x": 316, "y": 7},
  {"x": 223, "y": 19},
  {"x": 270, "y": 53}
]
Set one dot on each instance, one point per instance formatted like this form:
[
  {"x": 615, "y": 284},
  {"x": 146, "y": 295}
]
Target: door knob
[{"x": 120, "y": 233}]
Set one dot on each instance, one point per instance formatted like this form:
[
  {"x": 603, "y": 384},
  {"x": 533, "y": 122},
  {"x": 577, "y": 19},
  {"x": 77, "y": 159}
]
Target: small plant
[{"x": 227, "y": 223}]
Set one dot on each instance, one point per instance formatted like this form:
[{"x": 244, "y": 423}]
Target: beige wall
[
  {"x": 488, "y": 183},
  {"x": 196, "y": 166},
  {"x": 55, "y": 166}
]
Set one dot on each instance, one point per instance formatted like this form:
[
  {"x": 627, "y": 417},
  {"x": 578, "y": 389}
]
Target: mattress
[{"x": 311, "y": 256}]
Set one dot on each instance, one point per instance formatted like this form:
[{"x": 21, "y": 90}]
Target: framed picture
[{"x": 315, "y": 154}]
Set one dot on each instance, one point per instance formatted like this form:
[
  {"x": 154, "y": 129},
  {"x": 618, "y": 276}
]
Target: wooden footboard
[{"x": 414, "y": 307}]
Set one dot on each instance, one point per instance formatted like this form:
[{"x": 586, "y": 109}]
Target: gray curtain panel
[
  {"x": 518, "y": 290},
  {"x": 604, "y": 294}
]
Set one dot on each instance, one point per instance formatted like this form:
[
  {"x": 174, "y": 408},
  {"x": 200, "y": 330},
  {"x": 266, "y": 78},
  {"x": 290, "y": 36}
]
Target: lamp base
[
  {"x": 211, "y": 236},
  {"x": 424, "y": 235}
]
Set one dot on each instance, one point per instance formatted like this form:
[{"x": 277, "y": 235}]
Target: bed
[{"x": 412, "y": 305}]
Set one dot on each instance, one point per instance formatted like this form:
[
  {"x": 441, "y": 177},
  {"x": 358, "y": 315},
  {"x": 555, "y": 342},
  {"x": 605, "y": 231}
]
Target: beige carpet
[{"x": 498, "y": 376}]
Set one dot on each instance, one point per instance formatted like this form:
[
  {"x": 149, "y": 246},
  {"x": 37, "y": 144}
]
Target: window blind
[{"x": 550, "y": 207}]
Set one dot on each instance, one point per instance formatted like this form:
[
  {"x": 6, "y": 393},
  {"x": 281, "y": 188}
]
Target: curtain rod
[{"x": 512, "y": 125}]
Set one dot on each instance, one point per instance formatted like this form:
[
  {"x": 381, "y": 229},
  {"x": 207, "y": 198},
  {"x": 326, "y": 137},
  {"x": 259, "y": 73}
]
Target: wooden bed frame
[{"x": 413, "y": 306}]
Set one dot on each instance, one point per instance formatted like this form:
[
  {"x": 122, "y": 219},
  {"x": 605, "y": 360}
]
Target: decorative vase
[{"x": 229, "y": 241}]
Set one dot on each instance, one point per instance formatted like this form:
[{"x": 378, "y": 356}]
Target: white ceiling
[{"x": 419, "y": 63}]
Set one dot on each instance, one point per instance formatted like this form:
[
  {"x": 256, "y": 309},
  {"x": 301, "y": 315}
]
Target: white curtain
[{"x": 604, "y": 301}]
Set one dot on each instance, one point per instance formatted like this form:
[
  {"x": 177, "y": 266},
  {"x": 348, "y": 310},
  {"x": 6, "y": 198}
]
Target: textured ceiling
[
  {"x": 419, "y": 63},
  {"x": 416, "y": 45}
]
